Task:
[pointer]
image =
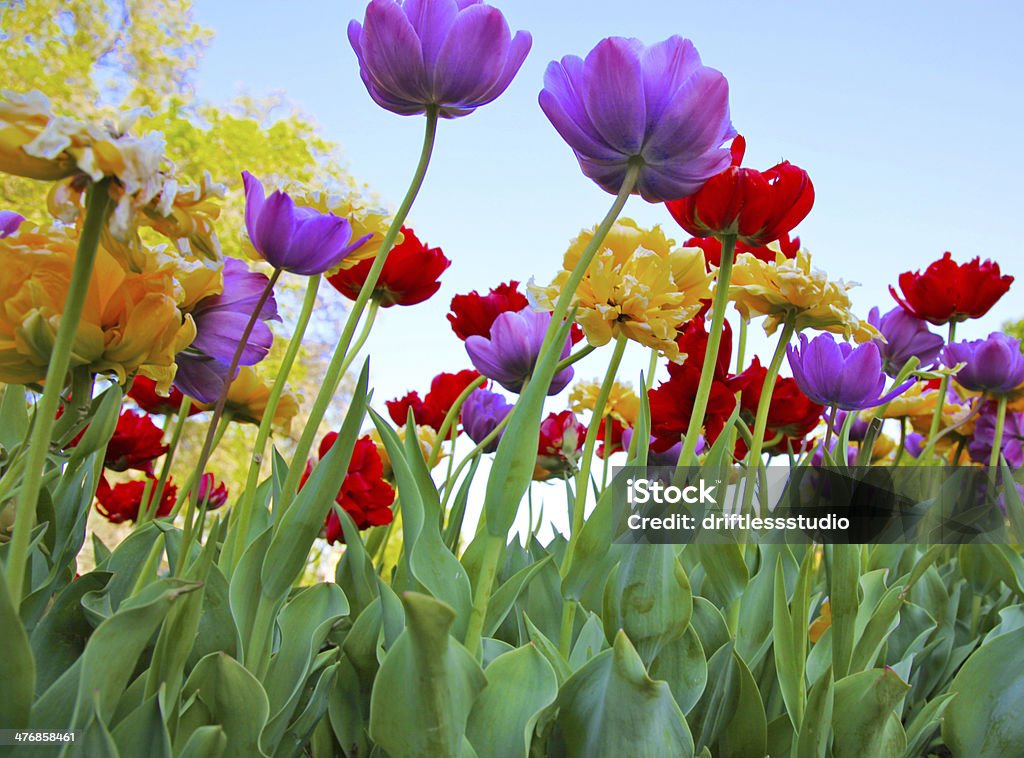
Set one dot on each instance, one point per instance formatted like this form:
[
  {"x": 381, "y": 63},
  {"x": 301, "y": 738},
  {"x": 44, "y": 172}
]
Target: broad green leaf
[
  {"x": 611, "y": 707},
  {"x": 520, "y": 685},
  {"x": 790, "y": 640},
  {"x": 548, "y": 649},
  {"x": 205, "y": 742},
  {"x": 589, "y": 642},
  {"x": 425, "y": 557},
  {"x": 17, "y": 665},
  {"x": 506, "y": 595},
  {"x": 746, "y": 735},
  {"x": 648, "y": 597},
  {"x": 426, "y": 685},
  {"x": 95, "y": 740},
  {"x": 301, "y": 729},
  {"x": 925, "y": 723},
  {"x": 355, "y": 573},
  {"x": 844, "y": 601},
  {"x": 228, "y": 695},
  {"x": 726, "y": 572},
  {"x": 816, "y": 726},
  {"x": 303, "y": 520},
  {"x": 682, "y": 664},
  {"x": 143, "y": 732},
  {"x": 13, "y": 416},
  {"x": 110, "y": 656},
  {"x": 244, "y": 588},
  {"x": 348, "y": 710},
  {"x": 984, "y": 720},
  {"x": 864, "y": 720},
  {"x": 709, "y": 623},
  {"x": 754, "y": 627},
  {"x": 713, "y": 713}
]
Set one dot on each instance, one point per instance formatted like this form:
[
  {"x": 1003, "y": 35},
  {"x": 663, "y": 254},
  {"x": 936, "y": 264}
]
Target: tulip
[
  {"x": 474, "y": 313},
  {"x": 448, "y": 55},
  {"x": 757, "y": 207},
  {"x": 136, "y": 443},
  {"x": 510, "y": 354},
  {"x": 906, "y": 337},
  {"x": 410, "y": 274},
  {"x": 839, "y": 375},
  {"x": 431, "y": 411},
  {"x": 657, "y": 108},
  {"x": 121, "y": 502},
  {"x": 291, "y": 238},
  {"x": 144, "y": 393},
  {"x": 1012, "y": 443},
  {"x": 482, "y": 412},
  {"x": 558, "y": 449},
  {"x": 994, "y": 364},
  {"x": 9, "y": 223},
  {"x": 210, "y": 492},
  {"x": 947, "y": 291}
]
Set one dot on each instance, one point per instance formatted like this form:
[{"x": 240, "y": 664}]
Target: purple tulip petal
[
  {"x": 9, "y": 223},
  {"x": 613, "y": 93},
  {"x": 391, "y": 52},
  {"x": 254, "y": 200},
  {"x": 319, "y": 243},
  {"x": 562, "y": 103},
  {"x": 473, "y": 55},
  {"x": 667, "y": 65},
  {"x": 217, "y": 335},
  {"x": 695, "y": 121},
  {"x": 432, "y": 21},
  {"x": 274, "y": 229},
  {"x": 200, "y": 377},
  {"x": 862, "y": 366},
  {"x": 517, "y": 53}
]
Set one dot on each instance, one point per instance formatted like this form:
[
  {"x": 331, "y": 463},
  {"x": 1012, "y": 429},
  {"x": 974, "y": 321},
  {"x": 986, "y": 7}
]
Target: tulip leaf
[
  {"x": 983, "y": 721},
  {"x": 790, "y": 639},
  {"x": 13, "y": 416},
  {"x": 228, "y": 695},
  {"x": 110, "y": 656},
  {"x": 520, "y": 685},
  {"x": 426, "y": 686},
  {"x": 303, "y": 519},
  {"x": 143, "y": 732},
  {"x": 506, "y": 595},
  {"x": 17, "y": 665},
  {"x": 864, "y": 719},
  {"x": 844, "y": 602},
  {"x": 746, "y": 735},
  {"x": 515, "y": 459},
  {"x": 816, "y": 725},
  {"x": 648, "y": 596},
  {"x": 425, "y": 557},
  {"x": 683, "y": 665},
  {"x": 95, "y": 740},
  {"x": 301, "y": 729},
  {"x": 589, "y": 642},
  {"x": 205, "y": 742},
  {"x": 611, "y": 707}
]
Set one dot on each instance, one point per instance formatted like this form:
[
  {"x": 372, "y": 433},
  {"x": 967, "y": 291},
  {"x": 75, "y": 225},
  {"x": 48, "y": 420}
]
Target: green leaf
[
  {"x": 13, "y": 416},
  {"x": 864, "y": 720},
  {"x": 244, "y": 587},
  {"x": 710, "y": 717},
  {"x": 506, "y": 595},
  {"x": 520, "y": 685},
  {"x": 143, "y": 732},
  {"x": 649, "y": 598},
  {"x": 790, "y": 639},
  {"x": 548, "y": 649},
  {"x": 726, "y": 571},
  {"x": 983, "y": 721},
  {"x": 589, "y": 642},
  {"x": 925, "y": 722},
  {"x": 205, "y": 742},
  {"x": 611, "y": 707},
  {"x": 844, "y": 601},
  {"x": 303, "y": 520},
  {"x": 512, "y": 469},
  {"x": 746, "y": 735},
  {"x": 425, "y": 556},
  {"x": 816, "y": 726},
  {"x": 355, "y": 573},
  {"x": 426, "y": 685},
  {"x": 301, "y": 729},
  {"x": 17, "y": 665},
  {"x": 110, "y": 656},
  {"x": 682, "y": 664},
  {"x": 228, "y": 695},
  {"x": 96, "y": 740}
]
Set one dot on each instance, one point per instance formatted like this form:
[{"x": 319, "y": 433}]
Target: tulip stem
[
  {"x": 150, "y": 507},
  {"x": 364, "y": 334},
  {"x": 451, "y": 419},
  {"x": 742, "y": 346},
  {"x": 241, "y": 515},
  {"x": 493, "y": 547},
  {"x": 763, "y": 405},
  {"x": 943, "y": 388},
  {"x": 707, "y": 372},
  {"x": 97, "y": 200},
  {"x": 449, "y": 484},
  {"x": 579, "y": 355},
  {"x": 997, "y": 440},
  {"x": 218, "y": 411},
  {"x": 335, "y": 369}
]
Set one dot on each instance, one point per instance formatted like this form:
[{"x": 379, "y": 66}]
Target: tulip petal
[
  {"x": 472, "y": 57},
  {"x": 613, "y": 93},
  {"x": 432, "y": 20}
]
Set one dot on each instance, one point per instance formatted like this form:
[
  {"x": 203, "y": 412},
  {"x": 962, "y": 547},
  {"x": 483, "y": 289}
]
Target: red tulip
[
  {"x": 410, "y": 274},
  {"x": 143, "y": 392},
  {"x": 791, "y": 413},
  {"x": 558, "y": 449},
  {"x": 121, "y": 502},
  {"x": 430, "y": 411},
  {"x": 672, "y": 405},
  {"x": 713, "y": 249},
  {"x": 136, "y": 443},
  {"x": 950, "y": 291},
  {"x": 757, "y": 206},
  {"x": 474, "y": 313},
  {"x": 215, "y": 495}
]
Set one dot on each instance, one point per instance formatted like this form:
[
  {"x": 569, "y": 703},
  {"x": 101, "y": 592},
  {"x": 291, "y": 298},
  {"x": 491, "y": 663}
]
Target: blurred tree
[
  {"x": 1015, "y": 329},
  {"x": 96, "y": 58}
]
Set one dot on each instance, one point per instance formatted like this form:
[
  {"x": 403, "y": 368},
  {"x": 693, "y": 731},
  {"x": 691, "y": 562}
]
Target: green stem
[
  {"x": 364, "y": 333},
  {"x": 742, "y": 349},
  {"x": 763, "y": 405},
  {"x": 579, "y": 355},
  {"x": 165, "y": 470},
  {"x": 997, "y": 440},
  {"x": 335, "y": 369},
  {"x": 97, "y": 200},
  {"x": 241, "y": 515},
  {"x": 449, "y": 485},
  {"x": 943, "y": 388},
  {"x": 707, "y": 372}
]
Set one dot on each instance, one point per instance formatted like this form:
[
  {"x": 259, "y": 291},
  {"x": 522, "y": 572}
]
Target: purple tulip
[
  {"x": 657, "y": 106},
  {"x": 300, "y": 240},
  {"x": 914, "y": 444},
  {"x": 906, "y": 337},
  {"x": 453, "y": 55},
  {"x": 1012, "y": 447},
  {"x": 9, "y": 223},
  {"x": 994, "y": 364},
  {"x": 839, "y": 375},
  {"x": 858, "y": 427},
  {"x": 669, "y": 457},
  {"x": 220, "y": 322},
  {"x": 818, "y": 458},
  {"x": 481, "y": 414},
  {"x": 510, "y": 354}
]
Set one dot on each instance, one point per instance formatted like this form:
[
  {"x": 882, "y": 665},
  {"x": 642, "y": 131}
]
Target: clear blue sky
[{"x": 907, "y": 116}]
